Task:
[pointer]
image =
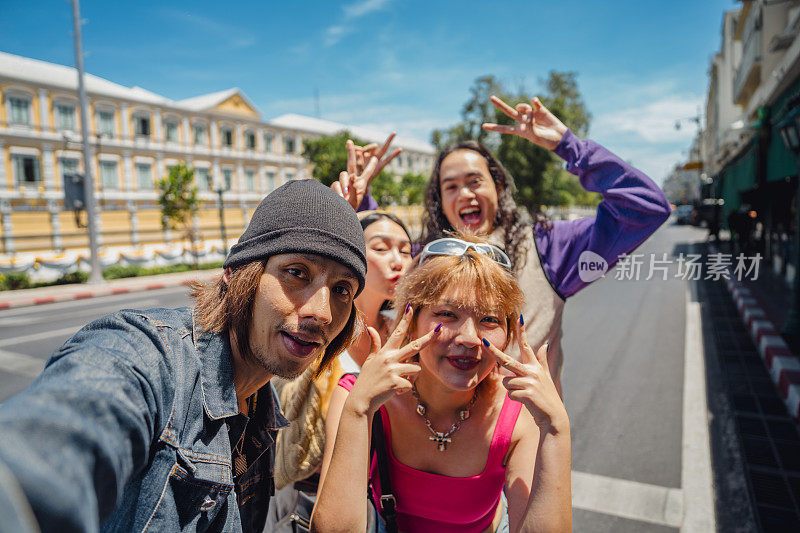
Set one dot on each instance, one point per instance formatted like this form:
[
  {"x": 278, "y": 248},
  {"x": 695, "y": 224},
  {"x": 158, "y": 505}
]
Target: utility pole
[
  {"x": 221, "y": 189},
  {"x": 95, "y": 276}
]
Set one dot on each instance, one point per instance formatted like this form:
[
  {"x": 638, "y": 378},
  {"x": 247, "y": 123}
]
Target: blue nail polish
[
  {"x": 485, "y": 342},
  {"x": 408, "y": 306},
  {"x": 521, "y": 321},
  {"x": 438, "y": 328}
]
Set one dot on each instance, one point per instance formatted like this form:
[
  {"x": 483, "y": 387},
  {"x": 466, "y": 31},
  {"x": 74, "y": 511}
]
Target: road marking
[
  {"x": 696, "y": 476},
  {"x": 19, "y": 363},
  {"x": 6, "y": 321},
  {"x": 39, "y": 336},
  {"x": 627, "y": 499},
  {"x": 85, "y": 302}
]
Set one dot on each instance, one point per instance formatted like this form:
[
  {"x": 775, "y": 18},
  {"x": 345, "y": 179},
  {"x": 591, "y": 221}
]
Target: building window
[
  {"x": 65, "y": 117},
  {"x": 227, "y": 175},
  {"x": 171, "y": 131},
  {"x": 268, "y": 139},
  {"x": 250, "y": 180},
  {"x": 289, "y": 176},
  {"x": 226, "y": 135},
  {"x": 288, "y": 144},
  {"x": 108, "y": 174},
  {"x": 203, "y": 179},
  {"x": 199, "y": 134},
  {"x": 142, "y": 125},
  {"x": 105, "y": 123},
  {"x": 144, "y": 175},
  {"x": 26, "y": 169},
  {"x": 270, "y": 181},
  {"x": 251, "y": 140},
  {"x": 68, "y": 166},
  {"x": 19, "y": 110}
]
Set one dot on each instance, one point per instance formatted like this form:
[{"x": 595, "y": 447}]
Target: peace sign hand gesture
[
  {"x": 534, "y": 122},
  {"x": 364, "y": 163},
  {"x": 387, "y": 369},
  {"x": 531, "y": 383}
]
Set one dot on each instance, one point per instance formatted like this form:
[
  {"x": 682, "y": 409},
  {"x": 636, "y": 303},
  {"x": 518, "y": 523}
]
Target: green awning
[
  {"x": 780, "y": 161},
  {"x": 738, "y": 176}
]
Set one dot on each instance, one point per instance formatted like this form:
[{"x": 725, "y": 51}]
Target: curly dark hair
[{"x": 514, "y": 221}]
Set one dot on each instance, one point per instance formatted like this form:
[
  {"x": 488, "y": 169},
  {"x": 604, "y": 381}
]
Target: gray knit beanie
[{"x": 303, "y": 216}]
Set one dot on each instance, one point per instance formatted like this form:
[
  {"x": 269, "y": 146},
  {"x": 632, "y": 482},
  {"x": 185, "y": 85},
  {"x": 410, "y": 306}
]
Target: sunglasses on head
[{"x": 453, "y": 246}]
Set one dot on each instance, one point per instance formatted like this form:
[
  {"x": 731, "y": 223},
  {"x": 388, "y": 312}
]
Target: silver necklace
[{"x": 443, "y": 439}]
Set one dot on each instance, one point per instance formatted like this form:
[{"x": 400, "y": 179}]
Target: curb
[
  {"x": 783, "y": 366},
  {"x": 83, "y": 293}
]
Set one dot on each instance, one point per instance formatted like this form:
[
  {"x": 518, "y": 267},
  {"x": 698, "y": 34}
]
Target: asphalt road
[
  {"x": 625, "y": 345},
  {"x": 29, "y": 335},
  {"x": 623, "y": 382}
]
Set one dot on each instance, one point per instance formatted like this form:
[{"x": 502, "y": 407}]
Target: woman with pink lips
[
  {"x": 388, "y": 257},
  {"x": 461, "y": 452},
  {"x": 305, "y": 400}
]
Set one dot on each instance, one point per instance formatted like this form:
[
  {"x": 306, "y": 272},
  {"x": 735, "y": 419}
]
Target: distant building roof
[
  {"x": 327, "y": 127},
  {"x": 41, "y": 72},
  {"x": 208, "y": 101},
  {"x": 44, "y": 73}
]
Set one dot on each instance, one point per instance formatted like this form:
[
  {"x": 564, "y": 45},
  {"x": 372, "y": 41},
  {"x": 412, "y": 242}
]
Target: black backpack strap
[{"x": 388, "y": 504}]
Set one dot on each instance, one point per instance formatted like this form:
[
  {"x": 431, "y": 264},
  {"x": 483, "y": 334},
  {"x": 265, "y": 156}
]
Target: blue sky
[{"x": 401, "y": 65}]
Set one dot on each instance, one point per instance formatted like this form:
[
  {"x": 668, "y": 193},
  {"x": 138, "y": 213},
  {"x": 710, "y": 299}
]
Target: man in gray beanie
[{"x": 166, "y": 419}]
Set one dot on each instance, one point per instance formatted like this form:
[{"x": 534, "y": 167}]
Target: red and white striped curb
[
  {"x": 782, "y": 364},
  {"x": 66, "y": 295}
]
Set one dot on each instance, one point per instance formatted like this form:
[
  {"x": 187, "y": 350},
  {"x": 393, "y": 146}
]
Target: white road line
[
  {"x": 71, "y": 304},
  {"x": 627, "y": 499},
  {"x": 19, "y": 363},
  {"x": 63, "y": 332},
  {"x": 76, "y": 313},
  {"x": 696, "y": 476}
]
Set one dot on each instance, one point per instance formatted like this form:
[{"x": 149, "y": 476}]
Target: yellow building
[{"x": 137, "y": 135}]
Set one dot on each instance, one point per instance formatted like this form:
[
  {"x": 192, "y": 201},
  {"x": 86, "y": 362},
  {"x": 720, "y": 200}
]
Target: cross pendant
[{"x": 441, "y": 441}]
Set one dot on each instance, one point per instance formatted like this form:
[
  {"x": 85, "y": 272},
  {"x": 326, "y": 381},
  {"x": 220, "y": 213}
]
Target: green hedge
[{"x": 22, "y": 280}]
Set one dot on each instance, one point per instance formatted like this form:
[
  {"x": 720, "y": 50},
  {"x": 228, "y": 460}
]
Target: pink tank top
[{"x": 433, "y": 503}]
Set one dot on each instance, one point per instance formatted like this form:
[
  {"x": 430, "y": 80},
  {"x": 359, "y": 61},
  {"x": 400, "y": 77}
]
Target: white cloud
[
  {"x": 636, "y": 120},
  {"x": 351, "y": 13},
  {"x": 334, "y": 34},
  {"x": 654, "y": 122},
  {"x": 359, "y": 9}
]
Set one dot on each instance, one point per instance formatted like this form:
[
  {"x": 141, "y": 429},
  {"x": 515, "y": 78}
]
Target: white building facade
[{"x": 136, "y": 136}]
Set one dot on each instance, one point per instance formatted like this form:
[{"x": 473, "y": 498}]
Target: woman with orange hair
[{"x": 454, "y": 449}]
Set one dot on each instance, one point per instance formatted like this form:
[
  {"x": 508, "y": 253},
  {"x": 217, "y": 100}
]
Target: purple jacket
[{"x": 633, "y": 207}]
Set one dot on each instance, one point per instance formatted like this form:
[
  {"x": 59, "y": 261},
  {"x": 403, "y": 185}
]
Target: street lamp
[
  {"x": 223, "y": 187},
  {"x": 790, "y": 133}
]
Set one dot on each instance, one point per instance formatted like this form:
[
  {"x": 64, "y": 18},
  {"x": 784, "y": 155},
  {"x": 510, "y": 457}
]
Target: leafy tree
[
  {"x": 414, "y": 186},
  {"x": 538, "y": 173},
  {"x": 328, "y": 154},
  {"x": 178, "y": 200},
  {"x": 409, "y": 189},
  {"x": 386, "y": 189}
]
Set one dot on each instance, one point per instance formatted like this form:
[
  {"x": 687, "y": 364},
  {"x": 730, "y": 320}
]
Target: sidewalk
[
  {"x": 78, "y": 291},
  {"x": 748, "y": 385},
  {"x": 763, "y": 305}
]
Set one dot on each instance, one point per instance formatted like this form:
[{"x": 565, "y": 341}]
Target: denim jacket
[{"x": 125, "y": 429}]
